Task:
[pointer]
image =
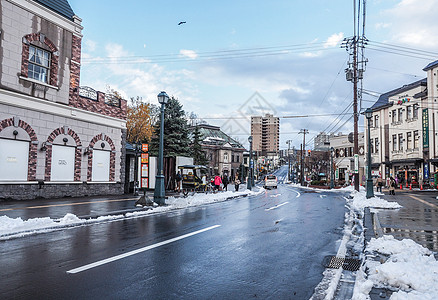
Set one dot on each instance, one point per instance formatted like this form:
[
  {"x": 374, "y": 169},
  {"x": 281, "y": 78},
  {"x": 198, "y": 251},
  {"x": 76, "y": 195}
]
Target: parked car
[{"x": 270, "y": 181}]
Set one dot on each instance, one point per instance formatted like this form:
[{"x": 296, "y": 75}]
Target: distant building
[
  {"x": 266, "y": 135},
  {"x": 321, "y": 142},
  {"x": 344, "y": 158},
  {"x": 225, "y": 155}
]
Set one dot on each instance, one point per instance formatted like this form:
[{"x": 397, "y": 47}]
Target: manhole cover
[{"x": 334, "y": 262}]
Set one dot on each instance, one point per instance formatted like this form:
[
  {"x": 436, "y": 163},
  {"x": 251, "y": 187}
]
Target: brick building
[{"x": 56, "y": 138}]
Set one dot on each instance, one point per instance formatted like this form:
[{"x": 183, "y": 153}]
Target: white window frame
[{"x": 34, "y": 64}]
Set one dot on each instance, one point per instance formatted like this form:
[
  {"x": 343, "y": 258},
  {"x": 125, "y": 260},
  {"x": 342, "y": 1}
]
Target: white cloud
[
  {"x": 188, "y": 53},
  {"x": 90, "y": 46},
  {"x": 414, "y": 22},
  {"x": 382, "y": 25},
  {"x": 334, "y": 40}
]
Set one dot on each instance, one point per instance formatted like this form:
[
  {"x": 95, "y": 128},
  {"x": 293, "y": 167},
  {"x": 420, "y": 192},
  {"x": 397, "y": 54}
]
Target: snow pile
[
  {"x": 410, "y": 268},
  {"x": 17, "y": 227},
  {"x": 360, "y": 201}
]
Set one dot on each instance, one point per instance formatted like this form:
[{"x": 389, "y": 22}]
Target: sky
[{"x": 234, "y": 59}]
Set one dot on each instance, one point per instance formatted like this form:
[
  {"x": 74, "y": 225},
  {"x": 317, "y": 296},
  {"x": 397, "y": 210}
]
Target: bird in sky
[{"x": 180, "y": 23}]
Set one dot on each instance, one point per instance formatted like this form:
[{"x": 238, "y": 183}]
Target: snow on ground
[
  {"x": 410, "y": 270},
  {"x": 17, "y": 227}
]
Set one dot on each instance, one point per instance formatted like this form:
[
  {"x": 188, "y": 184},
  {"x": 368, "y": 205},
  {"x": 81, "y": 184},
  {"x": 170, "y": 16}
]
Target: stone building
[
  {"x": 56, "y": 138},
  {"x": 224, "y": 154}
]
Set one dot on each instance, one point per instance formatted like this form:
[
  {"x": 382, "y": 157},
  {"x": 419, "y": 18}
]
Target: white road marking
[
  {"x": 277, "y": 206},
  {"x": 117, "y": 257},
  {"x": 322, "y": 196},
  {"x": 275, "y": 196}
]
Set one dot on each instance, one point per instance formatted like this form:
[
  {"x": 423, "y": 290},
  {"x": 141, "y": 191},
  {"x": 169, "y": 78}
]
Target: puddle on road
[{"x": 426, "y": 238}]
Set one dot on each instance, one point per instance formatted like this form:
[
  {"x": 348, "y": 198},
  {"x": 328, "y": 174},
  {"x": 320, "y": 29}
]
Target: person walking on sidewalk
[
  {"x": 391, "y": 186},
  {"x": 225, "y": 182},
  {"x": 217, "y": 182},
  {"x": 379, "y": 183},
  {"x": 236, "y": 182}
]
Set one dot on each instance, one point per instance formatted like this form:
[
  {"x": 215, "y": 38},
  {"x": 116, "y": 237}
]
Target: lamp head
[
  {"x": 163, "y": 98},
  {"x": 250, "y": 139},
  {"x": 368, "y": 113}
]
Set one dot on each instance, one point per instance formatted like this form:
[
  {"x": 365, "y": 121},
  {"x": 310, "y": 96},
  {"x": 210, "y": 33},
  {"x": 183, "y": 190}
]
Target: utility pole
[
  {"x": 303, "y": 155},
  {"x": 288, "y": 158},
  {"x": 354, "y": 73}
]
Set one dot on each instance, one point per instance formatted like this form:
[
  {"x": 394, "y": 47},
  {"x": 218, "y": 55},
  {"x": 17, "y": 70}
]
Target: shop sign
[
  {"x": 404, "y": 100},
  {"x": 426, "y": 170},
  {"x": 356, "y": 163},
  {"x": 425, "y": 128}
]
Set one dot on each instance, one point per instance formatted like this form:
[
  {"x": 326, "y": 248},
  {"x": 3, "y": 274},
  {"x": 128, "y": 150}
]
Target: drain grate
[{"x": 334, "y": 262}]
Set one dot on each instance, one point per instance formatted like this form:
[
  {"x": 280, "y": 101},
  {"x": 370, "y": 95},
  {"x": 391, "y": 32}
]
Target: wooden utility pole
[{"x": 356, "y": 115}]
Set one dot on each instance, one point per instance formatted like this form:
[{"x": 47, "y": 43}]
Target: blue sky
[{"x": 285, "y": 51}]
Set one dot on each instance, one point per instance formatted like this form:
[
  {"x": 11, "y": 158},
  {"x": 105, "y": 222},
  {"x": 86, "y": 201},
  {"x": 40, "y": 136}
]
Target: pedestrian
[
  {"x": 379, "y": 183},
  {"x": 391, "y": 186},
  {"x": 178, "y": 179},
  {"x": 225, "y": 181},
  {"x": 217, "y": 182},
  {"x": 236, "y": 183}
]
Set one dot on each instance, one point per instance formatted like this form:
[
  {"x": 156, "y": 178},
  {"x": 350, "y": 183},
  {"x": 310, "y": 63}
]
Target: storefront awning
[{"x": 406, "y": 161}]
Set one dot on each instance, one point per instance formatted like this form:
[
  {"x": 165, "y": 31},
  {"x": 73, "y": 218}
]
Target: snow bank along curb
[
  {"x": 17, "y": 227},
  {"x": 352, "y": 241},
  {"x": 404, "y": 267}
]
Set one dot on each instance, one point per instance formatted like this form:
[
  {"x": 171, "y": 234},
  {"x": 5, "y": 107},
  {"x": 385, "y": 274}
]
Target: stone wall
[{"x": 33, "y": 191}]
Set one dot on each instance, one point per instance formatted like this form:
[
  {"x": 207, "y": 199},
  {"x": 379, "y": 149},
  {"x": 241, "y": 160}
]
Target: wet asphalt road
[{"x": 268, "y": 247}]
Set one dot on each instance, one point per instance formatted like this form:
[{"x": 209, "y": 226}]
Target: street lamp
[
  {"x": 136, "y": 183},
  {"x": 159, "y": 193},
  {"x": 370, "y": 191},
  {"x": 332, "y": 182},
  {"x": 250, "y": 175}
]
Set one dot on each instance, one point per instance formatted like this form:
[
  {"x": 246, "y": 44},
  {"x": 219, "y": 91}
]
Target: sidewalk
[{"x": 415, "y": 220}]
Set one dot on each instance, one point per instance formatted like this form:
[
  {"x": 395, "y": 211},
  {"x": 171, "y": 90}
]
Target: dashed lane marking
[
  {"x": 277, "y": 206},
  {"x": 130, "y": 253}
]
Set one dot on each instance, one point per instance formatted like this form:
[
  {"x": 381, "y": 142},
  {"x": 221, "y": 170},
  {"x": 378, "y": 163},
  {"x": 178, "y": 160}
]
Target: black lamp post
[
  {"x": 136, "y": 183},
  {"x": 250, "y": 174},
  {"x": 159, "y": 193},
  {"x": 370, "y": 191}
]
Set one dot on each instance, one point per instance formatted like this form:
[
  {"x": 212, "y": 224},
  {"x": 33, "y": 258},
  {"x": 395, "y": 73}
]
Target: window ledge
[{"x": 38, "y": 82}]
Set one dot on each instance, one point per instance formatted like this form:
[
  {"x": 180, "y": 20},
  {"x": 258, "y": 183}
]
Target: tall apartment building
[
  {"x": 266, "y": 134},
  {"x": 56, "y": 138}
]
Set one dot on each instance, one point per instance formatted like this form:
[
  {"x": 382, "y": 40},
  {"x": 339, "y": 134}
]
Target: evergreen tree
[
  {"x": 176, "y": 132},
  {"x": 197, "y": 153}
]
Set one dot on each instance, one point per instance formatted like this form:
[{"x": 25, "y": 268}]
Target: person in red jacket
[{"x": 217, "y": 182}]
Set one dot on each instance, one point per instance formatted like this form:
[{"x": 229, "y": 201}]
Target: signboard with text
[
  {"x": 144, "y": 182},
  {"x": 425, "y": 128}
]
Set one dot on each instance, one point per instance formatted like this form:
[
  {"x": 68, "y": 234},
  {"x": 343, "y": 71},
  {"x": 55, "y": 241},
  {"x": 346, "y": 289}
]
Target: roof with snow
[
  {"x": 61, "y": 7},
  {"x": 212, "y": 135},
  {"x": 383, "y": 99}
]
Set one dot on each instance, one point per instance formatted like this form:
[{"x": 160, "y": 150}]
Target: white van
[{"x": 270, "y": 181}]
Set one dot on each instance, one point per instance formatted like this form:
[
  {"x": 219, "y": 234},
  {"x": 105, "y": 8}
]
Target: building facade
[
  {"x": 397, "y": 148},
  {"x": 56, "y": 138},
  {"x": 343, "y": 158},
  {"x": 224, "y": 154},
  {"x": 265, "y": 132}
]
